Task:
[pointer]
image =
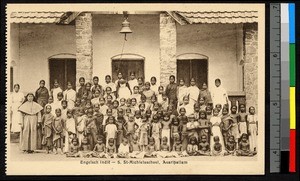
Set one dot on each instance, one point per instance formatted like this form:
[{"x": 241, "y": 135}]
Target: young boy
[
  {"x": 70, "y": 130},
  {"x": 156, "y": 130},
  {"x": 57, "y": 126},
  {"x": 91, "y": 128}
]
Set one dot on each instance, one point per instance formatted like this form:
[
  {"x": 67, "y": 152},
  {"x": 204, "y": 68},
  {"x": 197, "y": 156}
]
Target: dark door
[
  {"x": 127, "y": 66},
  {"x": 195, "y": 68},
  {"x": 63, "y": 70}
]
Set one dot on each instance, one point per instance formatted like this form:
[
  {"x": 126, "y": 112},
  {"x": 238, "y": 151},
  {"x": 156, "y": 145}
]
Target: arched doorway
[
  {"x": 126, "y": 63},
  {"x": 192, "y": 65}
]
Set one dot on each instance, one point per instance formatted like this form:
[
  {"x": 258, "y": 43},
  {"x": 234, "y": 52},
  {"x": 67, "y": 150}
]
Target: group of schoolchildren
[{"x": 133, "y": 119}]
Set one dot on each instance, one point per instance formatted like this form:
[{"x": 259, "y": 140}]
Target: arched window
[
  {"x": 193, "y": 65},
  {"x": 126, "y": 63}
]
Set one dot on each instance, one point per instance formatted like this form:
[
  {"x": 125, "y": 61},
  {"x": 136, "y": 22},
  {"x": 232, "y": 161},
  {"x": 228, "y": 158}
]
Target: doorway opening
[
  {"x": 126, "y": 63},
  {"x": 192, "y": 65},
  {"x": 63, "y": 70}
]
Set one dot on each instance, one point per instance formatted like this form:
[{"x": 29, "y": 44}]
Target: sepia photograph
[{"x": 126, "y": 89}]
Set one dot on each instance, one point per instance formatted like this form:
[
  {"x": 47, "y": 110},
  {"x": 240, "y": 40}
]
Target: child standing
[
  {"x": 119, "y": 123},
  {"x": 204, "y": 92},
  {"x": 166, "y": 124},
  {"x": 56, "y": 89},
  {"x": 47, "y": 120},
  {"x": 184, "y": 133},
  {"x": 154, "y": 86},
  {"x": 174, "y": 130},
  {"x": 91, "y": 128},
  {"x": 144, "y": 133},
  {"x": 136, "y": 94},
  {"x": 226, "y": 124},
  {"x": 243, "y": 120},
  {"x": 234, "y": 126},
  {"x": 171, "y": 91},
  {"x": 156, "y": 131},
  {"x": 70, "y": 95},
  {"x": 70, "y": 130},
  {"x": 111, "y": 130},
  {"x": 215, "y": 129},
  {"x": 160, "y": 93},
  {"x": 252, "y": 130},
  {"x": 193, "y": 92},
  {"x": 130, "y": 127},
  {"x": 133, "y": 81},
  {"x": 203, "y": 124},
  {"x": 57, "y": 126},
  {"x": 80, "y": 126}
]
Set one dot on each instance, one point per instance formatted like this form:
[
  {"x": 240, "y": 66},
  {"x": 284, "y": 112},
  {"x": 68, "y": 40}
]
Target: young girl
[
  {"x": 160, "y": 93},
  {"x": 70, "y": 130},
  {"x": 192, "y": 148},
  {"x": 95, "y": 100},
  {"x": 130, "y": 128},
  {"x": 119, "y": 123},
  {"x": 234, "y": 126},
  {"x": 242, "y": 120},
  {"x": 80, "y": 125},
  {"x": 99, "y": 149},
  {"x": 102, "y": 108},
  {"x": 109, "y": 101},
  {"x": 217, "y": 147},
  {"x": 164, "y": 102},
  {"x": 203, "y": 124},
  {"x": 123, "y": 150},
  {"x": 204, "y": 92},
  {"x": 215, "y": 129},
  {"x": 244, "y": 147},
  {"x": 70, "y": 95},
  {"x": 136, "y": 94},
  {"x": 171, "y": 91},
  {"x": 57, "y": 126},
  {"x": 141, "y": 85},
  {"x": 64, "y": 109},
  {"x": 51, "y": 104},
  {"x": 230, "y": 146},
  {"x": 184, "y": 132},
  {"x": 74, "y": 148},
  {"x": 204, "y": 148},
  {"x": 156, "y": 131},
  {"x": 181, "y": 92},
  {"x": 123, "y": 90},
  {"x": 150, "y": 149},
  {"x": 226, "y": 124},
  {"x": 133, "y": 81},
  {"x": 252, "y": 129},
  {"x": 174, "y": 130},
  {"x": 115, "y": 108},
  {"x": 144, "y": 132},
  {"x": 193, "y": 92},
  {"x": 47, "y": 120},
  {"x": 202, "y": 103},
  {"x": 177, "y": 150},
  {"x": 91, "y": 128},
  {"x": 154, "y": 86},
  {"x": 192, "y": 127},
  {"x": 111, "y": 148},
  {"x": 148, "y": 92},
  {"x": 189, "y": 108},
  {"x": 110, "y": 129},
  {"x": 164, "y": 149},
  {"x": 123, "y": 104},
  {"x": 166, "y": 124},
  {"x": 108, "y": 92},
  {"x": 135, "y": 150},
  {"x": 138, "y": 121},
  {"x": 109, "y": 83},
  {"x": 56, "y": 89}
]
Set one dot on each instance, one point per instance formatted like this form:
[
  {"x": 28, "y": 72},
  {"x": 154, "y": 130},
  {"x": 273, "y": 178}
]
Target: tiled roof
[
  {"x": 219, "y": 16},
  {"x": 36, "y": 17}
]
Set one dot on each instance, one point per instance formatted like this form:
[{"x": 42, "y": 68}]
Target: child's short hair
[
  {"x": 60, "y": 94},
  {"x": 100, "y": 137},
  {"x": 57, "y": 109},
  {"x": 132, "y": 73},
  {"x": 172, "y": 76},
  {"x": 218, "y": 80},
  {"x": 161, "y": 87},
  {"x": 193, "y": 138},
  {"x": 107, "y": 76},
  {"x": 90, "y": 111},
  {"x": 215, "y": 110},
  {"x": 111, "y": 140},
  {"x": 133, "y": 99},
  {"x": 64, "y": 101},
  {"x": 48, "y": 106},
  {"x": 216, "y": 139},
  {"x": 95, "y": 77},
  {"x": 151, "y": 139},
  {"x": 202, "y": 112},
  {"x": 81, "y": 78},
  {"x": 196, "y": 105},
  {"x": 164, "y": 138},
  {"x": 69, "y": 111},
  {"x": 122, "y": 99},
  {"x": 136, "y": 87}
]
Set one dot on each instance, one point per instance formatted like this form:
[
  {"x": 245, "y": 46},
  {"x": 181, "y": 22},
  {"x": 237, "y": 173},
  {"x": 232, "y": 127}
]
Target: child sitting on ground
[
  {"x": 99, "y": 148},
  {"x": 217, "y": 147},
  {"x": 151, "y": 150},
  {"x": 135, "y": 150},
  {"x": 164, "y": 149},
  {"x": 73, "y": 149},
  {"x": 230, "y": 146},
  {"x": 123, "y": 151},
  {"x": 192, "y": 148},
  {"x": 204, "y": 148},
  {"x": 111, "y": 149}
]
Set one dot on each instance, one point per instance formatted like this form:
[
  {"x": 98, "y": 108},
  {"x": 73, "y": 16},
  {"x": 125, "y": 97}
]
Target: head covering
[{"x": 30, "y": 107}]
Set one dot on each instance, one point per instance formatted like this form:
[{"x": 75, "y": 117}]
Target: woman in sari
[
  {"x": 41, "y": 96},
  {"x": 30, "y": 122},
  {"x": 17, "y": 98}
]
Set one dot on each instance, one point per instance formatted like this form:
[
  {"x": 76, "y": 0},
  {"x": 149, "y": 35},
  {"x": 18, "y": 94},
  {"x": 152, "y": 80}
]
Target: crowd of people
[{"x": 133, "y": 119}]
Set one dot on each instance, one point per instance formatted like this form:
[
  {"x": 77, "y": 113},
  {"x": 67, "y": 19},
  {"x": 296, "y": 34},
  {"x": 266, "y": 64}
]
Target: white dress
[
  {"x": 133, "y": 83},
  {"x": 55, "y": 91},
  {"x": 216, "y": 131},
  {"x": 154, "y": 88},
  {"x": 182, "y": 91},
  {"x": 124, "y": 92},
  {"x": 17, "y": 98},
  {"x": 219, "y": 96},
  {"x": 193, "y": 92},
  {"x": 70, "y": 96}
]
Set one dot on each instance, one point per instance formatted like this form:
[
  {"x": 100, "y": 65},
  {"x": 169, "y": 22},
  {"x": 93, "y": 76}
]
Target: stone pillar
[
  {"x": 167, "y": 37},
  {"x": 250, "y": 64},
  {"x": 84, "y": 47}
]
